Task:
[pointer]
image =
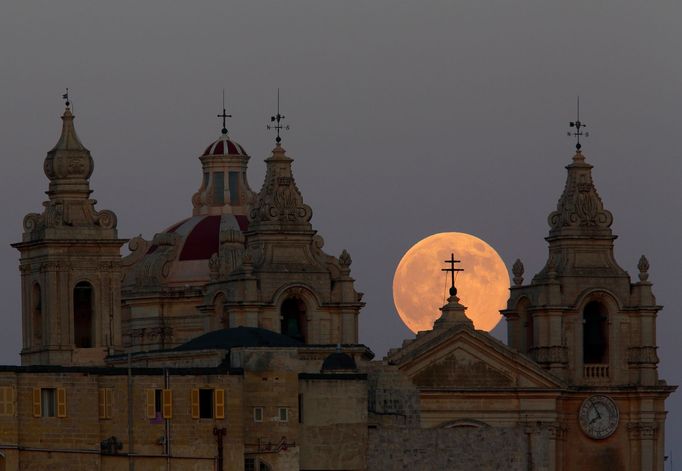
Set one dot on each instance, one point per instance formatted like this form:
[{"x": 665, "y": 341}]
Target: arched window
[
  {"x": 219, "y": 308},
  {"x": 37, "y": 314},
  {"x": 83, "y": 301},
  {"x": 595, "y": 333},
  {"x": 293, "y": 318}
]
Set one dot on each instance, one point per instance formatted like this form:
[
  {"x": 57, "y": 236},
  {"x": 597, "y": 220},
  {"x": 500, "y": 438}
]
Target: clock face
[{"x": 598, "y": 416}]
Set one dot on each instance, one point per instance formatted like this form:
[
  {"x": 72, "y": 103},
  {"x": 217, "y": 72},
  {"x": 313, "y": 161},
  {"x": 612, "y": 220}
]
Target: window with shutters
[
  {"x": 159, "y": 404},
  {"x": 49, "y": 402},
  {"x": 105, "y": 407},
  {"x": 7, "y": 401},
  {"x": 208, "y": 403}
]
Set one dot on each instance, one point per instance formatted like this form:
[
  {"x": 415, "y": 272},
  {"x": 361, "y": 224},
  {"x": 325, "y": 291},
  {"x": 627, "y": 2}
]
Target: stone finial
[
  {"x": 517, "y": 270},
  {"x": 344, "y": 259},
  {"x": 279, "y": 202},
  {"x": 643, "y": 267},
  {"x": 580, "y": 209},
  {"x": 453, "y": 314}
]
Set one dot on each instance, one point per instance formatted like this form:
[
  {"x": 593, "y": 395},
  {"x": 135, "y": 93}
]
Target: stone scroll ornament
[{"x": 580, "y": 206}]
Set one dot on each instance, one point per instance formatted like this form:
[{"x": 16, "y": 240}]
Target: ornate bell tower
[
  {"x": 70, "y": 265},
  {"x": 583, "y": 319}
]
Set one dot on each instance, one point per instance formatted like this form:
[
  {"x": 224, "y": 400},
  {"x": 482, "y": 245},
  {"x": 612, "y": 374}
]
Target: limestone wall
[{"x": 457, "y": 449}]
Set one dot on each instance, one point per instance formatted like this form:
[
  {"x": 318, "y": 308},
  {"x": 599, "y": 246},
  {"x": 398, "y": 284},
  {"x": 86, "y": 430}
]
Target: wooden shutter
[
  {"x": 219, "y": 401},
  {"x": 61, "y": 402},
  {"x": 102, "y": 393},
  {"x": 195, "y": 403},
  {"x": 14, "y": 401},
  {"x": 167, "y": 404},
  {"x": 107, "y": 403},
  {"x": 37, "y": 409},
  {"x": 151, "y": 404}
]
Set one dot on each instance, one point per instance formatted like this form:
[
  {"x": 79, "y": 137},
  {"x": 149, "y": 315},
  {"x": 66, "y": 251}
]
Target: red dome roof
[
  {"x": 201, "y": 234},
  {"x": 224, "y": 146}
]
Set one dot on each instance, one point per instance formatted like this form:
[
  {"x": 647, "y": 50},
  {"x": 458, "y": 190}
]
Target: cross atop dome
[{"x": 224, "y": 115}]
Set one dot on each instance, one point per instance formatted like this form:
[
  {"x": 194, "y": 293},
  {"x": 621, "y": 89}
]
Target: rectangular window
[
  {"x": 48, "y": 402},
  {"x": 159, "y": 404},
  {"x": 257, "y": 414},
  {"x": 206, "y": 403},
  {"x": 6, "y": 400},
  {"x": 233, "y": 181},
  {"x": 219, "y": 187},
  {"x": 105, "y": 409},
  {"x": 283, "y": 414}
]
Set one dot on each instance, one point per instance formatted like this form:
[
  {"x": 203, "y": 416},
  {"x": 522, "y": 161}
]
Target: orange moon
[{"x": 420, "y": 288}]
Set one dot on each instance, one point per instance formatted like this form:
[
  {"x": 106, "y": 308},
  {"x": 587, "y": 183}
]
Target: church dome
[
  {"x": 180, "y": 255},
  {"x": 224, "y": 146}
]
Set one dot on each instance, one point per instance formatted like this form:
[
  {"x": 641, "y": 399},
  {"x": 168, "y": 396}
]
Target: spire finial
[
  {"x": 277, "y": 119},
  {"x": 65, "y": 96},
  {"x": 577, "y": 124},
  {"x": 224, "y": 115},
  {"x": 452, "y": 270}
]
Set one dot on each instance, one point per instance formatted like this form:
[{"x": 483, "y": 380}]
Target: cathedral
[{"x": 229, "y": 341}]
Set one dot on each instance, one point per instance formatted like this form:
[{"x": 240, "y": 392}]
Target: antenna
[
  {"x": 224, "y": 115},
  {"x": 277, "y": 119},
  {"x": 577, "y": 124}
]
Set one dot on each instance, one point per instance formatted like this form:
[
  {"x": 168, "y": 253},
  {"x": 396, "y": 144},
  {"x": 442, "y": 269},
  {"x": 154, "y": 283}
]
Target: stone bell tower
[
  {"x": 583, "y": 319},
  {"x": 70, "y": 265}
]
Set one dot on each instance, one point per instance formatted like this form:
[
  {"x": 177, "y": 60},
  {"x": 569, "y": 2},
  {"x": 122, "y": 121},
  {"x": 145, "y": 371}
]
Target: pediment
[{"x": 465, "y": 358}]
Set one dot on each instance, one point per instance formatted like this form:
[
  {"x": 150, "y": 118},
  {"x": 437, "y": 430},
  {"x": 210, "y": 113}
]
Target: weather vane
[
  {"x": 452, "y": 270},
  {"x": 224, "y": 115},
  {"x": 577, "y": 124},
  {"x": 65, "y": 96},
  {"x": 277, "y": 119}
]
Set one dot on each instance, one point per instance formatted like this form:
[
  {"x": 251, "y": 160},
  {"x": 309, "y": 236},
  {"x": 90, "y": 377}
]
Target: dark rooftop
[{"x": 225, "y": 339}]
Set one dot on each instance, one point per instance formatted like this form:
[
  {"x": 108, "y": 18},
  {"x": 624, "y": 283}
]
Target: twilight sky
[{"x": 408, "y": 118}]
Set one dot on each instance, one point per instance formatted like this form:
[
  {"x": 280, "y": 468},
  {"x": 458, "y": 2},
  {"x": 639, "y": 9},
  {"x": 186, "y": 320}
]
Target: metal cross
[
  {"x": 577, "y": 124},
  {"x": 65, "y": 96},
  {"x": 277, "y": 119},
  {"x": 452, "y": 270},
  {"x": 224, "y": 115}
]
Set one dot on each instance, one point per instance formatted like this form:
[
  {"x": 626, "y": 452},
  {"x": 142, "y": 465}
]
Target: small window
[
  {"x": 257, "y": 414},
  {"x": 6, "y": 400},
  {"x": 206, "y": 403},
  {"x": 233, "y": 181},
  {"x": 159, "y": 404},
  {"x": 48, "y": 402},
  {"x": 249, "y": 464},
  {"x": 283, "y": 414}
]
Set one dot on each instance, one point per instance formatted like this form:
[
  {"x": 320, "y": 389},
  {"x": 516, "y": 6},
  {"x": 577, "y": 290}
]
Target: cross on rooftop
[
  {"x": 224, "y": 116},
  {"x": 277, "y": 119},
  {"x": 577, "y": 124},
  {"x": 452, "y": 270}
]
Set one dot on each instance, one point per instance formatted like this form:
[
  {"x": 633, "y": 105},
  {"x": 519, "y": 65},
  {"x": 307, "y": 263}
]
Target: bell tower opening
[
  {"x": 293, "y": 318},
  {"x": 37, "y": 317},
  {"x": 82, "y": 314},
  {"x": 595, "y": 334}
]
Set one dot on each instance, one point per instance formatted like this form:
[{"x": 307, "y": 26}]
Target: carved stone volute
[
  {"x": 580, "y": 210},
  {"x": 279, "y": 203}
]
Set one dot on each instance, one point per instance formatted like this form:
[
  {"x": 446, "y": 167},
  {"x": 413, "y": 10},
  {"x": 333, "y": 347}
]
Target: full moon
[{"x": 420, "y": 287}]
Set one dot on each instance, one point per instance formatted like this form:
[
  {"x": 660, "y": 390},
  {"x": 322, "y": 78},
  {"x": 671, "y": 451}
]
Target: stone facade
[{"x": 231, "y": 343}]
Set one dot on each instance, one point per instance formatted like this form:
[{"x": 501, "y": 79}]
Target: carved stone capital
[{"x": 551, "y": 354}]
